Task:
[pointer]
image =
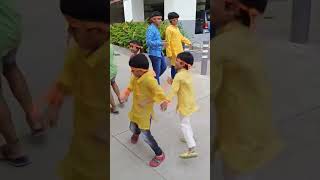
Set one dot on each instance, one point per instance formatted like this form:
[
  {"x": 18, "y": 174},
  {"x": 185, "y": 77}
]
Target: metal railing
[{"x": 200, "y": 51}]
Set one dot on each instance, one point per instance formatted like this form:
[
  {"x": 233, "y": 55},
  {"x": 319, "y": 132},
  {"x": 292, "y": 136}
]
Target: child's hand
[
  {"x": 51, "y": 115},
  {"x": 124, "y": 95},
  {"x": 169, "y": 80},
  {"x": 164, "y": 106},
  {"x": 123, "y": 98}
]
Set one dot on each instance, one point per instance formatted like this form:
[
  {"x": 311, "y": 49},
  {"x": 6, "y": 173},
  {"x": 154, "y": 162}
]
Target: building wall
[{"x": 185, "y": 8}]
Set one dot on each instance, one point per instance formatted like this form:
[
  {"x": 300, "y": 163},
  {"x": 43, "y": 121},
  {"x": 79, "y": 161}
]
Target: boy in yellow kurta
[
  {"x": 174, "y": 38},
  {"x": 146, "y": 91},
  {"x": 245, "y": 137},
  {"x": 84, "y": 78},
  {"x": 182, "y": 87}
]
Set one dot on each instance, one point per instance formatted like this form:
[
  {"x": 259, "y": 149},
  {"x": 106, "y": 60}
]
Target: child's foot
[
  {"x": 188, "y": 154},
  {"x": 134, "y": 138},
  {"x": 12, "y": 153},
  {"x": 157, "y": 160}
]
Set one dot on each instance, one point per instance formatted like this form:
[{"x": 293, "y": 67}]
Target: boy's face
[
  {"x": 174, "y": 21},
  {"x": 179, "y": 64},
  {"x": 157, "y": 20},
  {"x": 138, "y": 72},
  {"x": 133, "y": 48},
  {"x": 88, "y": 36}
]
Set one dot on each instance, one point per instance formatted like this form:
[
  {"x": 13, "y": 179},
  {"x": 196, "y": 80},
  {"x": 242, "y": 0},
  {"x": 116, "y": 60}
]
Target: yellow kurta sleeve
[
  {"x": 158, "y": 93},
  {"x": 174, "y": 88},
  {"x": 185, "y": 40},
  {"x": 168, "y": 40}
]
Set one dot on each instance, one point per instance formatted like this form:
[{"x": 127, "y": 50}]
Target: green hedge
[{"x": 123, "y": 33}]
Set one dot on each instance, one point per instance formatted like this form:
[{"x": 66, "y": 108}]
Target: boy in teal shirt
[
  {"x": 113, "y": 74},
  {"x": 10, "y": 37}
]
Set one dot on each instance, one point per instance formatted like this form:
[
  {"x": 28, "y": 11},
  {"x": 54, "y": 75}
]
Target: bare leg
[
  {"x": 116, "y": 90},
  {"x": 7, "y": 130},
  {"x": 113, "y": 104},
  {"x": 19, "y": 88}
]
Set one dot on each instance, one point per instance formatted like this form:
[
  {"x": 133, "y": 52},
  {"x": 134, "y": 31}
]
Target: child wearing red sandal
[{"x": 145, "y": 91}]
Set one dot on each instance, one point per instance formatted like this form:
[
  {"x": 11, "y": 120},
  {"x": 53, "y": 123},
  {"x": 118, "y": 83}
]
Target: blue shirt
[{"x": 154, "y": 41}]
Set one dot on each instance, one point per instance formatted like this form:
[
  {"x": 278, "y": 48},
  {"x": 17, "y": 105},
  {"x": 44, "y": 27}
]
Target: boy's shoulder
[{"x": 183, "y": 75}]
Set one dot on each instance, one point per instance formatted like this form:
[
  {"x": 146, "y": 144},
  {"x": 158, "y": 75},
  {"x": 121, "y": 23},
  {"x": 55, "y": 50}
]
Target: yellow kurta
[
  {"x": 242, "y": 96},
  {"x": 182, "y": 86},
  {"x": 146, "y": 91},
  {"x": 85, "y": 78},
  {"x": 174, "y": 39}
]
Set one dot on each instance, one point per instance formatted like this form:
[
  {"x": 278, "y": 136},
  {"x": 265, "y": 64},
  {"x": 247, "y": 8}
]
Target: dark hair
[
  {"x": 95, "y": 11},
  {"x": 153, "y": 14},
  {"x": 137, "y": 43},
  {"x": 187, "y": 57},
  {"x": 139, "y": 61},
  {"x": 244, "y": 17},
  {"x": 173, "y": 15}
]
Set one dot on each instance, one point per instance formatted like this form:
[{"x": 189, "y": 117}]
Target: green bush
[{"x": 123, "y": 33}]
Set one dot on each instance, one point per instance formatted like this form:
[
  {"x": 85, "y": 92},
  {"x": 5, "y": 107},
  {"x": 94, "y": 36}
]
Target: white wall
[
  {"x": 185, "y": 8},
  {"x": 133, "y": 10}
]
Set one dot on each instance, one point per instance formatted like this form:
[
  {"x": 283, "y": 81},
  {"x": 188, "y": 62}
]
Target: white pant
[{"x": 187, "y": 131}]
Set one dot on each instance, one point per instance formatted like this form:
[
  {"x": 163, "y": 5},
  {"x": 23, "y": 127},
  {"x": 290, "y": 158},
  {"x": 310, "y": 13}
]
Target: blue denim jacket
[{"x": 154, "y": 41}]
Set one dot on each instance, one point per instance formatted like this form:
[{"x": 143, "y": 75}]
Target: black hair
[
  {"x": 187, "y": 57},
  {"x": 139, "y": 61},
  {"x": 153, "y": 14},
  {"x": 173, "y": 15},
  {"x": 95, "y": 11},
  {"x": 244, "y": 17},
  {"x": 137, "y": 43}
]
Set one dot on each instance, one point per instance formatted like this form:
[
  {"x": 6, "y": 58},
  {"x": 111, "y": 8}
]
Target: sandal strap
[{"x": 156, "y": 160}]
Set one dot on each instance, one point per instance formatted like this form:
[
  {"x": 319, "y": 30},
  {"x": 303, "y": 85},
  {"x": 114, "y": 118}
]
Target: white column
[
  {"x": 185, "y": 8},
  {"x": 133, "y": 10}
]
